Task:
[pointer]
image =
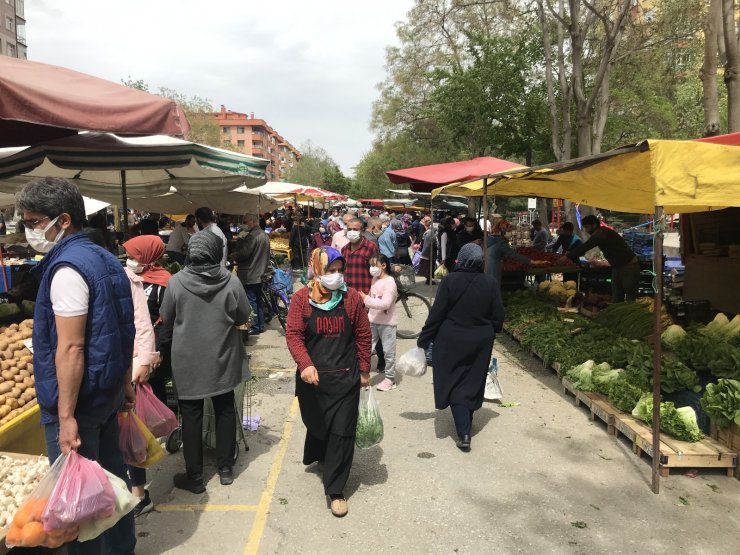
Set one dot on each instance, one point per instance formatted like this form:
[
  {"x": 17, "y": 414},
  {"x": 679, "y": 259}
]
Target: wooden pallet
[
  {"x": 580, "y": 397},
  {"x": 706, "y": 453},
  {"x": 604, "y": 410}
]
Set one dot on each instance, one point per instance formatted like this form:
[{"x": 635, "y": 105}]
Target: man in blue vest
[{"x": 83, "y": 338}]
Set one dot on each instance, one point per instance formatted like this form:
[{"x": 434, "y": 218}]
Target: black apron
[{"x": 331, "y": 406}]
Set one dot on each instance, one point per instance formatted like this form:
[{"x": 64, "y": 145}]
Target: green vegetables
[
  {"x": 676, "y": 376},
  {"x": 623, "y": 394},
  {"x": 673, "y": 336},
  {"x": 679, "y": 423},
  {"x": 632, "y": 320},
  {"x": 582, "y": 376},
  {"x": 369, "y": 424},
  {"x": 722, "y": 402}
]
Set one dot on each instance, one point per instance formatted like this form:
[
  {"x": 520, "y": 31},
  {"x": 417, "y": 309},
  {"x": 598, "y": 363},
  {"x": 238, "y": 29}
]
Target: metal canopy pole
[
  {"x": 485, "y": 224},
  {"x": 432, "y": 254},
  {"x": 124, "y": 204},
  {"x": 657, "y": 349}
]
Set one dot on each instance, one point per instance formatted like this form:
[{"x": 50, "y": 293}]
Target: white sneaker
[{"x": 386, "y": 385}]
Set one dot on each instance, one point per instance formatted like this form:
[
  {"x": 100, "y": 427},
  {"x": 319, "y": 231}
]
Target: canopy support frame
[
  {"x": 124, "y": 204},
  {"x": 657, "y": 348}
]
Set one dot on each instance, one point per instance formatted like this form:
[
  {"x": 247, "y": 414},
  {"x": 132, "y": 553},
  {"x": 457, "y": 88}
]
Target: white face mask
[
  {"x": 37, "y": 237},
  {"x": 332, "y": 281},
  {"x": 469, "y": 228},
  {"x": 375, "y": 271},
  {"x": 134, "y": 266},
  {"x": 353, "y": 236},
  {"x": 322, "y": 229}
]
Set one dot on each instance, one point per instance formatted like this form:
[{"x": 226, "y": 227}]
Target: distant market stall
[{"x": 651, "y": 177}]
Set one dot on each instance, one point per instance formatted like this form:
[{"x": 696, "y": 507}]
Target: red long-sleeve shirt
[{"x": 299, "y": 313}]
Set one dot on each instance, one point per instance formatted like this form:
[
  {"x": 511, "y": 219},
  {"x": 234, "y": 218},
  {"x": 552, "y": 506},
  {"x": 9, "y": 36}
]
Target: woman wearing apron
[{"x": 328, "y": 335}]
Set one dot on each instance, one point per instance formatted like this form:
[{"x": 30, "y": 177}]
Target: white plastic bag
[
  {"x": 413, "y": 362},
  {"x": 493, "y": 390}
]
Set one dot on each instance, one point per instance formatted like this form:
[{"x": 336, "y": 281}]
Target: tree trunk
[
  {"x": 708, "y": 73},
  {"x": 732, "y": 65}
]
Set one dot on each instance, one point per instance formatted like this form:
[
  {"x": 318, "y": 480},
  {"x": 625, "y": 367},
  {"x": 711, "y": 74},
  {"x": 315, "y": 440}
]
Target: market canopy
[
  {"x": 301, "y": 193},
  {"x": 680, "y": 176},
  {"x": 41, "y": 102},
  {"x": 423, "y": 179}
]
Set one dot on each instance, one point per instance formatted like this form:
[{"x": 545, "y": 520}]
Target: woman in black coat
[{"x": 463, "y": 322}]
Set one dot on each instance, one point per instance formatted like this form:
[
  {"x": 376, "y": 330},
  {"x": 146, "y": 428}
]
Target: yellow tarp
[{"x": 681, "y": 176}]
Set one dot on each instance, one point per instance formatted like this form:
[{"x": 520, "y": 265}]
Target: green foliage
[
  {"x": 679, "y": 423},
  {"x": 623, "y": 394},
  {"x": 318, "y": 169}
]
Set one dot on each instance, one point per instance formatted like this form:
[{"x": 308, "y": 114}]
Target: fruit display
[
  {"x": 546, "y": 256},
  {"x": 19, "y": 476},
  {"x": 17, "y": 384}
]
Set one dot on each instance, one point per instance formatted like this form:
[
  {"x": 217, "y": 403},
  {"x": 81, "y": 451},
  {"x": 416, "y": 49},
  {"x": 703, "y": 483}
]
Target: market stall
[{"x": 650, "y": 177}]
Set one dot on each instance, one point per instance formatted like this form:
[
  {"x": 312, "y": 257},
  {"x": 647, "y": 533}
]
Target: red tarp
[
  {"x": 41, "y": 102},
  {"x": 731, "y": 139},
  {"x": 425, "y": 178}
]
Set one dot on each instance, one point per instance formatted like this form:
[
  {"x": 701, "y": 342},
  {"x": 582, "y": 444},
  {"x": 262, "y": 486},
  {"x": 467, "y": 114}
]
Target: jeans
[
  {"x": 99, "y": 443},
  {"x": 192, "y": 432},
  {"x": 254, "y": 295},
  {"x": 385, "y": 335},
  {"x": 625, "y": 282}
]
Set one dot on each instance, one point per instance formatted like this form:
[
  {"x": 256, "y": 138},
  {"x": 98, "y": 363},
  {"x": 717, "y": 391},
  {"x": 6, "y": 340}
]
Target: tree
[
  {"x": 317, "y": 168},
  {"x": 204, "y": 128},
  {"x": 732, "y": 64}
]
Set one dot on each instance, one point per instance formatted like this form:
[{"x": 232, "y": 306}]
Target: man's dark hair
[
  {"x": 536, "y": 223},
  {"x": 148, "y": 227},
  {"x": 205, "y": 214},
  {"x": 591, "y": 220},
  {"x": 567, "y": 226},
  {"x": 52, "y": 196}
]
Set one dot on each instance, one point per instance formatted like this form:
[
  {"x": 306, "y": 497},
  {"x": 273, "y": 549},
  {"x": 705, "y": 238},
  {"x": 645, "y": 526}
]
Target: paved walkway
[{"x": 534, "y": 471}]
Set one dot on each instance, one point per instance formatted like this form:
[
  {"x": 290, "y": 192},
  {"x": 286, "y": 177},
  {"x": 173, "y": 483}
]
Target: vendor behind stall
[{"x": 625, "y": 267}]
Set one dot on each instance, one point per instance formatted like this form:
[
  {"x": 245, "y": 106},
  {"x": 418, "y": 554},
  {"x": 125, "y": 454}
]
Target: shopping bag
[
  {"x": 154, "y": 451},
  {"x": 416, "y": 260},
  {"x": 82, "y": 493},
  {"x": 440, "y": 272},
  {"x": 493, "y": 391},
  {"x": 413, "y": 362},
  {"x": 157, "y": 416},
  {"x": 369, "y": 424},
  {"x": 27, "y": 526},
  {"x": 125, "y": 503},
  {"x": 131, "y": 441}
]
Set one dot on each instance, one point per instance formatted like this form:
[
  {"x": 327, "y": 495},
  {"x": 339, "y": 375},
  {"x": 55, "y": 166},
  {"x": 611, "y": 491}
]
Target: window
[
  {"x": 10, "y": 48},
  {"x": 240, "y": 130},
  {"x": 240, "y": 143},
  {"x": 227, "y": 142},
  {"x": 227, "y": 129},
  {"x": 9, "y": 23}
]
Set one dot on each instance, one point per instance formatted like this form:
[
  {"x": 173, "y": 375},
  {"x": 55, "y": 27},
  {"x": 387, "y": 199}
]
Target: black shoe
[
  {"x": 464, "y": 443},
  {"x": 226, "y": 475},
  {"x": 191, "y": 484},
  {"x": 144, "y": 506},
  {"x": 254, "y": 331}
]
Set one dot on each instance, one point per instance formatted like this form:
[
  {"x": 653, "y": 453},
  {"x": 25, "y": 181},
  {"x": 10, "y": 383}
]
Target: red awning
[
  {"x": 425, "y": 178},
  {"x": 40, "y": 102},
  {"x": 731, "y": 139}
]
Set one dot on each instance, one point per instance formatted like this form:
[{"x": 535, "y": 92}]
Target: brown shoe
[{"x": 339, "y": 506}]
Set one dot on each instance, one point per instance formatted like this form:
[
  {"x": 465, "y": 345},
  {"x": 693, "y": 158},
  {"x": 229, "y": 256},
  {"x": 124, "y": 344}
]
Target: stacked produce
[
  {"x": 17, "y": 391},
  {"x": 633, "y": 320},
  {"x": 18, "y": 478},
  {"x": 722, "y": 402},
  {"x": 533, "y": 254},
  {"x": 679, "y": 423},
  {"x": 557, "y": 290}
]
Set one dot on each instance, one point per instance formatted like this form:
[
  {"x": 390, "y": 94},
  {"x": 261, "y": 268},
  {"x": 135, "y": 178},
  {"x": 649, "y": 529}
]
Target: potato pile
[
  {"x": 17, "y": 392},
  {"x": 18, "y": 478}
]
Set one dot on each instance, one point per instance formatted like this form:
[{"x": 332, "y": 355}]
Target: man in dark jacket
[
  {"x": 624, "y": 263},
  {"x": 83, "y": 338},
  {"x": 252, "y": 256}
]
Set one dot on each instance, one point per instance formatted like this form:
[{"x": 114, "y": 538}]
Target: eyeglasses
[{"x": 33, "y": 223}]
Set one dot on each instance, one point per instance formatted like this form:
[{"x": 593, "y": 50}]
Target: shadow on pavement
[
  {"x": 444, "y": 425},
  {"x": 367, "y": 470},
  {"x": 418, "y": 415}
]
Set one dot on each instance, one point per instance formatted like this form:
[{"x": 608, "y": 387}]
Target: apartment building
[
  {"x": 255, "y": 137},
  {"x": 13, "y": 29}
]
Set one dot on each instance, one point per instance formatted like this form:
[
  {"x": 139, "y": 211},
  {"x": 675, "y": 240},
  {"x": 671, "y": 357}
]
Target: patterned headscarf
[
  {"x": 321, "y": 259},
  {"x": 470, "y": 259}
]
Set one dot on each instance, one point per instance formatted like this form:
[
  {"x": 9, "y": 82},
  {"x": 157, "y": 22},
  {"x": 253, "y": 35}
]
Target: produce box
[
  {"x": 19, "y": 475},
  {"x": 729, "y": 437},
  {"x": 24, "y": 433}
]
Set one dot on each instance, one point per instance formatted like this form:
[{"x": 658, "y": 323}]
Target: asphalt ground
[{"x": 540, "y": 478}]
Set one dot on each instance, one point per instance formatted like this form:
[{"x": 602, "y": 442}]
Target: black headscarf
[{"x": 470, "y": 259}]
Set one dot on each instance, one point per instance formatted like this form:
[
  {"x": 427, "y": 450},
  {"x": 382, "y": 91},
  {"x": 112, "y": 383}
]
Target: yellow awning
[{"x": 681, "y": 176}]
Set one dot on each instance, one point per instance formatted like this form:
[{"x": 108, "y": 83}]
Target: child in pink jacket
[{"x": 381, "y": 303}]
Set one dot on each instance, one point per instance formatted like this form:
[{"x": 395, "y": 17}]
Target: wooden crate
[
  {"x": 706, "y": 453},
  {"x": 730, "y": 438}
]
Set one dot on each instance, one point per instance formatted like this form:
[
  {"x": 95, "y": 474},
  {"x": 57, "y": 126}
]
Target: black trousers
[
  {"x": 463, "y": 417},
  {"x": 336, "y": 452},
  {"x": 192, "y": 432}
]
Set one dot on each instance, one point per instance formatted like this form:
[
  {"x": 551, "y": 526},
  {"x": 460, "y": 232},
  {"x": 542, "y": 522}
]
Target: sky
[{"x": 307, "y": 67}]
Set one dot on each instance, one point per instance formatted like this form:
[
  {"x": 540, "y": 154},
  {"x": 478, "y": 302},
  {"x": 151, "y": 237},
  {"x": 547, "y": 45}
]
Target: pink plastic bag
[
  {"x": 82, "y": 493},
  {"x": 131, "y": 441},
  {"x": 157, "y": 416}
]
